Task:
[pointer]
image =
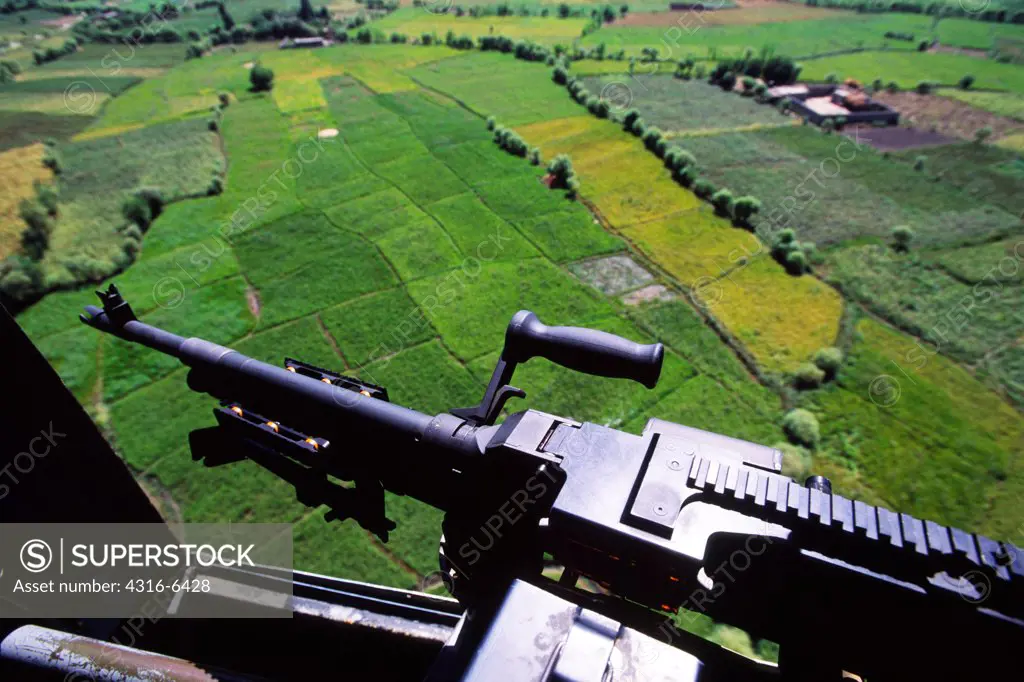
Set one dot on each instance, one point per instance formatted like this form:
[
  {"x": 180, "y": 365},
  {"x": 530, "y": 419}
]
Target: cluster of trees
[
  {"x": 51, "y": 54},
  {"x": 598, "y": 106},
  {"x": 898, "y": 35},
  {"x": 792, "y": 254},
  {"x": 608, "y": 13},
  {"x": 143, "y": 207},
  {"x": 773, "y": 70},
  {"x": 936, "y": 9},
  {"x": 152, "y": 27},
  {"x": 526, "y": 50},
  {"x": 9, "y": 70},
  {"x": 563, "y": 176},
  {"x": 824, "y": 366},
  {"x": 599, "y": 52},
  {"x": 38, "y": 214},
  {"x": 279, "y": 27},
  {"x": 508, "y": 139}
]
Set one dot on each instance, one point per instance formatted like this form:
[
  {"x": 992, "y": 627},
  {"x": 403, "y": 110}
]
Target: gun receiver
[{"x": 673, "y": 517}]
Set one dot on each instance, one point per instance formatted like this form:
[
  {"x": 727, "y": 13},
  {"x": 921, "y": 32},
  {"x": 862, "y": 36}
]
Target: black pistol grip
[{"x": 583, "y": 350}]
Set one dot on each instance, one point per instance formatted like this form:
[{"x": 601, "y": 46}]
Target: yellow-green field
[
  {"x": 782, "y": 319},
  {"x": 20, "y": 169}
]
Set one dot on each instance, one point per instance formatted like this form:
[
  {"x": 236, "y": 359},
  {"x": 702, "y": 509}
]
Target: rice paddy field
[
  {"x": 415, "y": 21},
  {"x": 318, "y": 219},
  {"x": 907, "y": 69},
  {"x": 816, "y": 32}
]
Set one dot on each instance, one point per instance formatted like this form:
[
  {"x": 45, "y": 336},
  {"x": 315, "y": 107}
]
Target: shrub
[
  {"x": 572, "y": 185},
  {"x": 966, "y": 82},
  {"x": 744, "y": 208},
  {"x": 261, "y": 78},
  {"x": 213, "y": 125},
  {"x": 923, "y": 46},
  {"x": 982, "y": 134},
  {"x": 831, "y": 79},
  {"x": 137, "y": 211},
  {"x": 902, "y": 236},
  {"x": 48, "y": 196},
  {"x": 225, "y": 99},
  {"x": 722, "y": 201},
  {"x": 661, "y": 148},
  {"x": 651, "y": 136},
  {"x": 925, "y": 87},
  {"x": 491, "y": 123},
  {"x": 727, "y": 81},
  {"x": 52, "y": 160},
  {"x": 535, "y": 156},
  {"x": 808, "y": 376},
  {"x": 919, "y": 163},
  {"x": 671, "y": 158},
  {"x": 685, "y": 176},
  {"x": 828, "y": 125},
  {"x": 829, "y": 360},
  {"x": 561, "y": 170},
  {"x": 703, "y": 188},
  {"x": 801, "y": 427},
  {"x": 215, "y": 187},
  {"x": 893, "y": 86},
  {"x": 876, "y": 85},
  {"x": 560, "y": 75},
  {"x": 780, "y": 71},
  {"x": 132, "y": 232},
  {"x": 796, "y": 262},
  {"x": 796, "y": 461},
  {"x": 35, "y": 239},
  {"x": 760, "y": 90},
  {"x": 20, "y": 279},
  {"x": 629, "y": 118}
]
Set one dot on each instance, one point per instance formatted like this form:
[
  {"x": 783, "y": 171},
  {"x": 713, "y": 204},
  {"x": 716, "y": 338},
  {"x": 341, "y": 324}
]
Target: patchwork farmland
[{"x": 358, "y": 214}]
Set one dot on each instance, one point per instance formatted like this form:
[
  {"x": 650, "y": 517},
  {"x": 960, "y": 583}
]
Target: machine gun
[{"x": 675, "y": 517}]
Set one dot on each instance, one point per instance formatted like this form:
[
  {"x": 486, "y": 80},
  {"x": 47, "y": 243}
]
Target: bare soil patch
[
  {"x": 327, "y": 133},
  {"x": 612, "y": 275},
  {"x": 750, "y": 13},
  {"x": 252, "y": 298},
  {"x": 946, "y": 116},
  {"x": 967, "y": 51},
  {"x": 654, "y": 292},
  {"x": 63, "y": 23}
]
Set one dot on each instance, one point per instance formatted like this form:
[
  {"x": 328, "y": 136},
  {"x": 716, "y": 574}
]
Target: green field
[
  {"x": 907, "y": 69},
  {"x": 832, "y": 190},
  {"x": 986, "y": 174},
  {"x": 676, "y": 105}
]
